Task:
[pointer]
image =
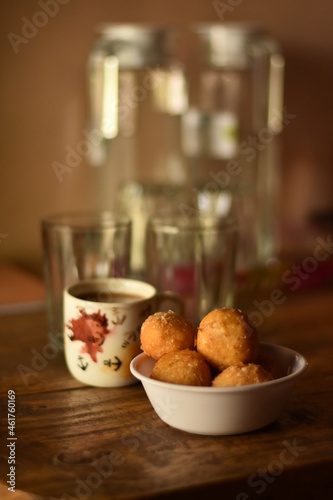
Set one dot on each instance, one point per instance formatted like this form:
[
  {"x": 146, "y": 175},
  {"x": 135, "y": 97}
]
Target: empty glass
[
  {"x": 193, "y": 256},
  {"x": 80, "y": 245}
]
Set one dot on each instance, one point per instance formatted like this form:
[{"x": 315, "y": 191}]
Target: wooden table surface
[{"x": 78, "y": 442}]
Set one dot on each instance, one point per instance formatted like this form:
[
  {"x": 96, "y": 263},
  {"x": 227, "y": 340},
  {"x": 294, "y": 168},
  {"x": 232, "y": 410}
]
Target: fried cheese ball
[
  {"x": 185, "y": 367},
  {"x": 226, "y": 337},
  {"x": 242, "y": 375},
  {"x": 165, "y": 332}
]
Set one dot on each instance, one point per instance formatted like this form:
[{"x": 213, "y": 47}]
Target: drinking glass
[
  {"x": 193, "y": 256},
  {"x": 81, "y": 245}
]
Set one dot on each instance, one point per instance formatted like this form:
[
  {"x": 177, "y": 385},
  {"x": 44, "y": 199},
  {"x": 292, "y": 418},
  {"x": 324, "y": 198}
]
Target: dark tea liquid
[{"x": 111, "y": 297}]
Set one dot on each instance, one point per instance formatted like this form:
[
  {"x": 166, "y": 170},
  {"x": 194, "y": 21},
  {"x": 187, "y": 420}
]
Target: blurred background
[{"x": 43, "y": 93}]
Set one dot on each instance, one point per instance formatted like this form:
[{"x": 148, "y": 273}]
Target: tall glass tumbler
[
  {"x": 80, "y": 245},
  {"x": 193, "y": 256}
]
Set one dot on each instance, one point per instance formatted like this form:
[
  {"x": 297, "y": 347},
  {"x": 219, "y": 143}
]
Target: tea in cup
[{"x": 102, "y": 322}]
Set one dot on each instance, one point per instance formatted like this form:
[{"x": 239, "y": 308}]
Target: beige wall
[{"x": 43, "y": 95}]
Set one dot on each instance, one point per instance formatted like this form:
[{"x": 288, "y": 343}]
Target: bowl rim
[{"x": 303, "y": 364}]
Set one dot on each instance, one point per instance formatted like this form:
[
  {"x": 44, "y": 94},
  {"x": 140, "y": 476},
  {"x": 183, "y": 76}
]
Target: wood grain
[{"x": 81, "y": 442}]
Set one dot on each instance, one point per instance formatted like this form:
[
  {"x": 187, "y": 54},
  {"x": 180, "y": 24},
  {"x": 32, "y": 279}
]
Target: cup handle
[{"x": 162, "y": 297}]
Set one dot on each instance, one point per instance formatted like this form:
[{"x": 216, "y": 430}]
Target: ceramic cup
[{"x": 102, "y": 322}]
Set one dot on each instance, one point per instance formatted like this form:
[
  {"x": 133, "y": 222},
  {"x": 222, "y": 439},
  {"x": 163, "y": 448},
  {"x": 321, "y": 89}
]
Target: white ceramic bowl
[{"x": 222, "y": 410}]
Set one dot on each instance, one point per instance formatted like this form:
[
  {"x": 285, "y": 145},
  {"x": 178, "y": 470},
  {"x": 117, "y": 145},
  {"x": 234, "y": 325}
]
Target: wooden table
[{"x": 78, "y": 442}]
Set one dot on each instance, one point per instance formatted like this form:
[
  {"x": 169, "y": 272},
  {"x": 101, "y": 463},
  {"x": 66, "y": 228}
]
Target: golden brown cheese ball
[
  {"x": 185, "y": 367},
  {"x": 242, "y": 375},
  {"x": 226, "y": 337},
  {"x": 165, "y": 332}
]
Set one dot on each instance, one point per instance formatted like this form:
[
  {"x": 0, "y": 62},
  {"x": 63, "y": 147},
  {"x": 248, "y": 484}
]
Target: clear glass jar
[
  {"x": 137, "y": 96},
  {"x": 230, "y": 132}
]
